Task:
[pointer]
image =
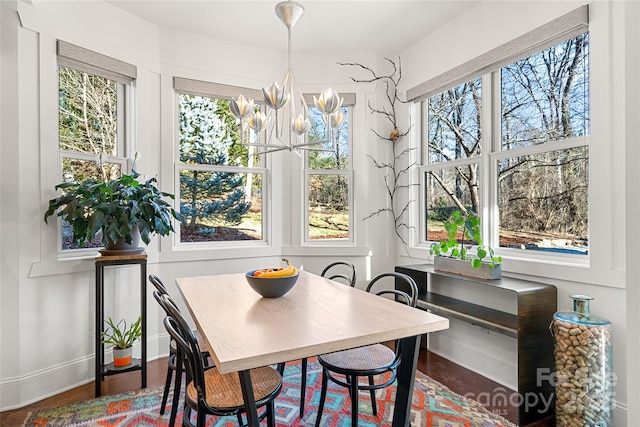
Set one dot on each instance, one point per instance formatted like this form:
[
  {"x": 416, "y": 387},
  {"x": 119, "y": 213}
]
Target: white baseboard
[
  {"x": 474, "y": 348},
  {"x": 24, "y": 390}
]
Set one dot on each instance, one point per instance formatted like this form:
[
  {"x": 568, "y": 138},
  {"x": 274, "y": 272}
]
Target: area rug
[{"x": 433, "y": 405}]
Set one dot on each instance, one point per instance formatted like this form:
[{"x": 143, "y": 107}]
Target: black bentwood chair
[
  {"x": 342, "y": 271},
  {"x": 208, "y": 391},
  {"x": 368, "y": 361},
  {"x": 171, "y": 363}
]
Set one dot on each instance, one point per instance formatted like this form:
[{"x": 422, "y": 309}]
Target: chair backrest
[
  {"x": 155, "y": 281},
  {"x": 158, "y": 297},
  {"x": 409, "y": 297},
  {"x": 350, "y": 278},
  {"x": 188, "y": 351}
]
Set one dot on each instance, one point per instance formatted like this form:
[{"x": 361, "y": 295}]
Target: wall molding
[{"x": 24, "y": 390}]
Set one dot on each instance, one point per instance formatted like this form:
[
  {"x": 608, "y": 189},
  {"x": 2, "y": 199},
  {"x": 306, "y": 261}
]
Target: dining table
[{"x": 244, "y": 330}]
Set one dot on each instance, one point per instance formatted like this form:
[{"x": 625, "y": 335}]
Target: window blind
[
  {"x": 217, "y": 90},
  {"x": 212, "y": 90},
  {"x": 72, "y": 56},
  {"x": 349, "y": 99},
  {"x": 565, "y": 27}
]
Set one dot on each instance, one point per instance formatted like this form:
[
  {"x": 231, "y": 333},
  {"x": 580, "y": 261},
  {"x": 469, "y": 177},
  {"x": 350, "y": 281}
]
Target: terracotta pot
[{"x": 122, "y": 356}]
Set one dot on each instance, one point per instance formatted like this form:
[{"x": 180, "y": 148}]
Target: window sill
[{"x": 543, "y": 268}]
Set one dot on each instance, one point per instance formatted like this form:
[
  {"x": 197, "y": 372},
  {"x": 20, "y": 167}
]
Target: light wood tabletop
[{"x": 244, "y": 330}]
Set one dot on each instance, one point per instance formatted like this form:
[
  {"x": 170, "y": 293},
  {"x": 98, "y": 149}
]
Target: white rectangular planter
[{"x": 464, "y": 268}]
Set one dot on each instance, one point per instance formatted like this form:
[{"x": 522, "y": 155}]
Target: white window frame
[
  {"x": 124, "y": 74},
  {"x": 488, "y": 67},
  {"x": 220, "y": 91},
  {"x": 348, "y": 172}
]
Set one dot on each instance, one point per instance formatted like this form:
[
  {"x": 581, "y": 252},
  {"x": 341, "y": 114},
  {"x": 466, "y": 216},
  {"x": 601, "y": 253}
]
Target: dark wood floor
[{"x": 457, "y": 378}]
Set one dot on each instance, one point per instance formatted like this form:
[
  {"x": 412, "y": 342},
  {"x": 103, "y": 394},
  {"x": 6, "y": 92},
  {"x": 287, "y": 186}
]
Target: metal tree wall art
[{"x": 395, "y": 170}]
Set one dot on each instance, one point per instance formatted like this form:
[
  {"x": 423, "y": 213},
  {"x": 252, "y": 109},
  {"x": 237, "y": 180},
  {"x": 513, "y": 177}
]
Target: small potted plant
[
  {"x": 123, "y": 209},
  {"x": 453, "y": 256},
  {"x": 122, "y": 338}
]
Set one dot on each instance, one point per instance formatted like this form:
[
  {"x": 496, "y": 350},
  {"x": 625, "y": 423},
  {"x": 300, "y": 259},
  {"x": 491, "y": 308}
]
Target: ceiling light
[{"x": 283, "y": 121}]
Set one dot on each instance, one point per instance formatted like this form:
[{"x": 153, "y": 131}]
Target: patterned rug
[{"x": 434, "y": 405}]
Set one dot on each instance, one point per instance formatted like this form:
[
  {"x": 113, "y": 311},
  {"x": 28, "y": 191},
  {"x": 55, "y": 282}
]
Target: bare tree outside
[
  {"x": 90, "y": 121},
  {"x": 542, "y": 189},
  {"x": 328, "y": 189}
]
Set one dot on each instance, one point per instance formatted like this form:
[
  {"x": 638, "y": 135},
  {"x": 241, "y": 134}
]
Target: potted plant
[
  {"x": 453, "y": 256},
  {"x": 123, "y": 209},
  {"x": 122, "y": 338}
]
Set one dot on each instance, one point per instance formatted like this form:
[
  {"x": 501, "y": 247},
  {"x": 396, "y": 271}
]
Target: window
[
  {"x": 512, "y": 145},
  {"x": 328, "y": 183},
  {"x": 93, "y": 92},
  {"x": 221, "y": 182}
]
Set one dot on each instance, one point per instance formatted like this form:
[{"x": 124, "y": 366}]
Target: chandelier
[{"x": 287, "y": 123}]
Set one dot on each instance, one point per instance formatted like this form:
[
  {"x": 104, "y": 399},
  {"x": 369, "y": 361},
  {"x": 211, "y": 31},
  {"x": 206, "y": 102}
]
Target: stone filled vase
[{"x": 584, "y": 377}]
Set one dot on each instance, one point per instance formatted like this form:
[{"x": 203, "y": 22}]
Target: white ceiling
[{"x": 387, "y": 26}]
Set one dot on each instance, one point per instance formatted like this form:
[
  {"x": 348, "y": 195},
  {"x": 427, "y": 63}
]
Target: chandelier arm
[{"x": 289, "y": 12}]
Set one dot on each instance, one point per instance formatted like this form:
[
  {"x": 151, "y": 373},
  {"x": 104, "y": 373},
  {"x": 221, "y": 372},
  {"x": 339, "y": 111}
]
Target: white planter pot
[
  {"x": 464, "y": 268},
  {"x": 122, "y": 356}
]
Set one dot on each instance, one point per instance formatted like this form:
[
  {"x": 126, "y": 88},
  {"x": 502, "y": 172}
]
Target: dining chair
[
  {"x": 209, "y": 392},
  {"x": 161, "y": 289},
  {"x": 342, "y": 270},
  {"x": 338, "y": 270},
  {"x": 377, "y": 362}
]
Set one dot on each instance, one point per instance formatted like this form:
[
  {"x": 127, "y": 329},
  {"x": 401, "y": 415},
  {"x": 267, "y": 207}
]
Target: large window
[
  {"x": 221, "y": 182},
  {"x": 93, "y": 94},
  {"x": 328, "y": 183},
  {"x": 511, "y": 145}
]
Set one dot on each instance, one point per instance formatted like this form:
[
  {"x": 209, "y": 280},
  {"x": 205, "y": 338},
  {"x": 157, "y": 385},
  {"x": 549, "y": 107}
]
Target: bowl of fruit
[{"x": 273, "y": 282}]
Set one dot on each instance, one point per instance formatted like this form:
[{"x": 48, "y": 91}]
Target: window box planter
[{"x": 464, "y": 268}]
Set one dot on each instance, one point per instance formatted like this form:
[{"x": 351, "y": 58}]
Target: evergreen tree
[{"x": 205, "y": 139}]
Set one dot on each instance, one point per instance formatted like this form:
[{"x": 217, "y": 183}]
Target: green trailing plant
[
  {"x": 469, "y": 225},
  {"x": 119, "y": 335},
  {"x": 115, "y": 207}
]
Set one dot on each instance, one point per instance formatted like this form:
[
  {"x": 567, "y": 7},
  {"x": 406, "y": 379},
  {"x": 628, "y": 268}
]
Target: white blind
[
  {"x": 348, "y": 99},
  {"x": 217, "y": 90},
  {"x": 563, "y": 28},
  {"x": 213, "y": 90},
  {"x": 91, "y": 62}
]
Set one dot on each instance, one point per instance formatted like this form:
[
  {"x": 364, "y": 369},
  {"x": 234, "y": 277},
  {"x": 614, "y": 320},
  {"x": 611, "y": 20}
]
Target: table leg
[
  {"x": 406, "y": 377},
  {"x": 99, "y": 319},
  {"x": 249, "y": 399},
  {"x": 143, "y": 309}
]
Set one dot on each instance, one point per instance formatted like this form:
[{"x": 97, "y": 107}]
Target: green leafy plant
[
  {"x": 114, "y": 207},
  {"x": 121, "y": 336},
  {"x": 469, "y": 224}
]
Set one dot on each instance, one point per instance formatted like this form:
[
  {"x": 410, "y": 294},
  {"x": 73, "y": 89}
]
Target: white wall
[
  {"x": 47, "y": 306},
  {"x": 613, "y": 94}
]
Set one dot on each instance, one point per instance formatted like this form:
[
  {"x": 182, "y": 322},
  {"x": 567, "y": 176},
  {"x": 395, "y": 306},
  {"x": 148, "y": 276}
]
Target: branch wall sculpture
[{"x": 394, "y": 170}]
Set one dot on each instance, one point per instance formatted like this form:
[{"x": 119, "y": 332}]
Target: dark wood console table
[
  {"x": 101, "y": 370},
  {"x": 536, "y": 304}
]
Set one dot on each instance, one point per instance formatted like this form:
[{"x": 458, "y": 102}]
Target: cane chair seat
[
  {"x": 359, "y": 359},
  {"x": 340, "y": 271},
  {"x": 346, "y": 367},
  {"x": 223, "y": 390}
]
